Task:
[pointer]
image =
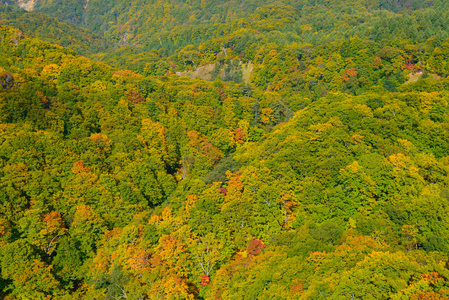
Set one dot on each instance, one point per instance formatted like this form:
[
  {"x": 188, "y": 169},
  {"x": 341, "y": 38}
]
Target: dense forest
[{"x": 185, "y": 149}]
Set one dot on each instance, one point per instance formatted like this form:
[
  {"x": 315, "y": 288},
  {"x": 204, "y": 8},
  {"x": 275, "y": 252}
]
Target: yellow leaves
[
  {"x": 38, "y": 277},
  {"x": 167, "y": 214},
  {"x": 194, "y": 142},
  {"x": 297, "y": 287},
  {"x": 175, "y": 287},
  {"x": 3, "y": 128},
  {"x": 202, "y": 147},
  {"x": 323, "y": 127},
  {"x": 74, "y": 88},
  {"x": 98, "y": 86},
  {"x": 315, "y": 73},
  {"x": 288, "y": 203},
  {"x": 206, "y": 251},
  {"x": 243, "y": 254},
  {"x": 397, "y": 62},
  {"x": 123, "y": 103},
  {"x": 149, "y": 125},
  {"x": 225, "y": 138},
  {"x": 244, "y": 127},
  {"x": 267, "y": 116},
  {"x": 353, "y": 168},
  {"x": 399, "y": 160},
  {"x": 166, "y": 221},
  {"x": 155, "y": 220},
  {"x": 83, "y": 64},
  {"x": 409, "y": 233},
  {"x": 427, "y": 100},
  {"x": 377, "y": 63},
  {"x": 352, "y": 223},
  {"x": 407, "y": 145},
  {"x": 356, "y": 138},
  {"x": 234, "y": 192},
  {"x": 192, "y": 19},
  {"x": 364, "y": 110},
  {"x": 153, "y": 137},
  {"x": 53, "y": 228},
  {"x": 138, "y": 260},
  {"x": 247, "y": 103},
  {"x": 17, "y": 36},
  {"x": 403, "y": 163},
  {"x": 272, "y": 54},
  {"x": 414, "y": 171},
  {"x": 85, "y": 216},
  {"x": 320, "y": 127},
  {"x": 80, "y": 167},
  {"x": 51, "y": 71},
  {"x": 336, "y": 82},
  {"x": 122, "y": 75},
  {"x": 2, "y": 229},
  {"x": 317, "y": 257},
  {"x": 427, "y": 123},
  {"x": 16, "y": 170},
  {"x": 172, "y": 252},
  {"x": 101, "y": 262},
  {"x": 190, "y": 201},
  {"x": 426, "y": 192},
  {"x": 102, "y": 139}
]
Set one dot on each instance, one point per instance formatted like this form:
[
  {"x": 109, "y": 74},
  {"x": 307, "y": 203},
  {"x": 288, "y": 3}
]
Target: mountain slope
[
  {"x": 323, "y": 176},
  {"x": 53, "y": 30}
]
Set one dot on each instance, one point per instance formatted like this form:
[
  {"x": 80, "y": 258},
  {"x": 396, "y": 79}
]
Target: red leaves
[
  {"x": 350, "y": 73},
  {"x": 431, "y": 277},
  {"x": 135, "y": 97},
  {"x": 297, "y": 287},
  {"x": 409, "y": 65},
  {"x": 239, "y": 135},
  {"x": 203, "y": 147},
  {"x": 205, "y": 280},
  {"x": 223, "y": 191},
  {"x": 255, "y": 247},
  {"x": 222, "y": 94}
]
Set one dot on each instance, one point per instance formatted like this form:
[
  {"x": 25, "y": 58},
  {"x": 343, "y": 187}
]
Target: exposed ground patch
[
  {"x": 211, "y": 71},
  {"x": 414, "y": 77}
]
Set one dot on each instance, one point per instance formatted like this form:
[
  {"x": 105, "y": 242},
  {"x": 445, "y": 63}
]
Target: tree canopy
[{"x": 224, "y": 150}]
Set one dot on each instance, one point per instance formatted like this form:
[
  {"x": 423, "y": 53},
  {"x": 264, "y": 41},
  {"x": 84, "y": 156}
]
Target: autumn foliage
[{"x": 215, "y": 150}]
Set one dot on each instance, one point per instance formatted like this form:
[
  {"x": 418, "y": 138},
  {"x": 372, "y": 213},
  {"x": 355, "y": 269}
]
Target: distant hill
[
  {"x": 53, "y": 30},
  {"x": 135, "y": 28},
  {"x": 174, "y": 23}
]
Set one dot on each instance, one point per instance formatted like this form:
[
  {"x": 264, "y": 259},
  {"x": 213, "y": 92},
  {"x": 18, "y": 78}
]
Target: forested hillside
[
  {"x": 53, "y": 30},
  {"x": 312, "y": 163}
]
